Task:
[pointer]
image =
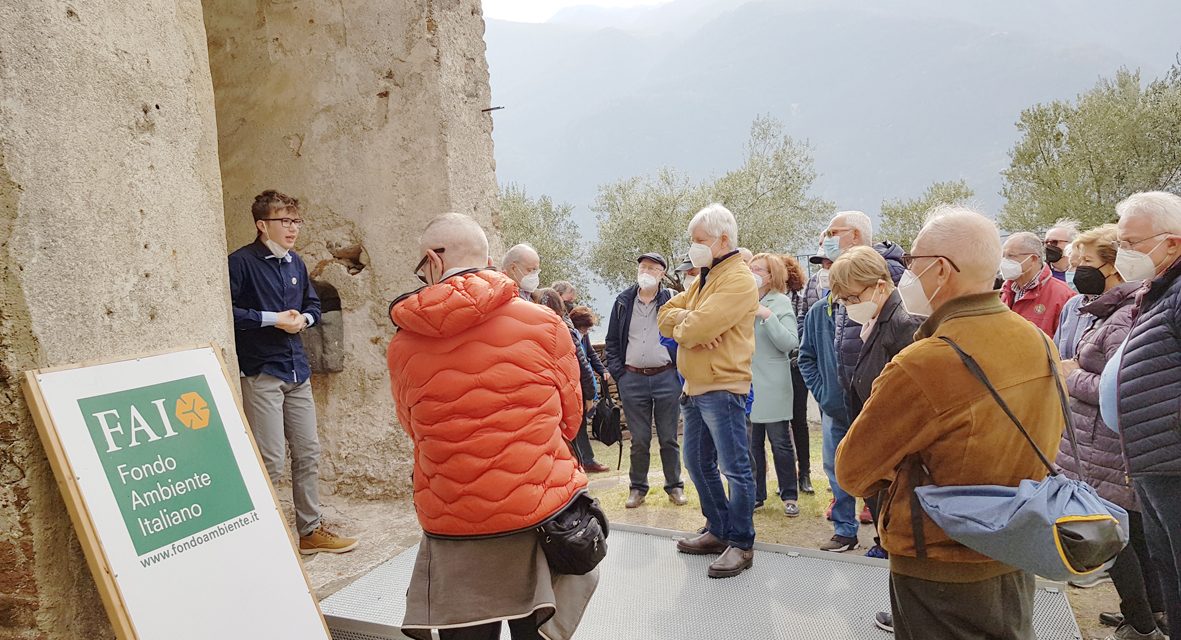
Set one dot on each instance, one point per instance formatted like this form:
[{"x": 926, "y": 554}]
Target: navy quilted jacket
[
  {"x": 848, "y": 333},
  {"x": 1150, "y": 381}
]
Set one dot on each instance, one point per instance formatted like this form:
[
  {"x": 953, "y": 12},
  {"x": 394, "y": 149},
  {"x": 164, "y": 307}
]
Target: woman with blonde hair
[
  {"x": 861, "y": 281},
  {"x": 776, "y": 338}
]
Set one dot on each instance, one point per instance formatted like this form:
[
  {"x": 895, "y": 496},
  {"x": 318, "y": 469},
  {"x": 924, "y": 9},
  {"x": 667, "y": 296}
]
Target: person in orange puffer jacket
[{"x": 487, "y": 387}]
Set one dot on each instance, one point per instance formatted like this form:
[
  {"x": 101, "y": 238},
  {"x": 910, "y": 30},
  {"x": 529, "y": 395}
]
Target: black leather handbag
[{"x": 575, "y": 540}]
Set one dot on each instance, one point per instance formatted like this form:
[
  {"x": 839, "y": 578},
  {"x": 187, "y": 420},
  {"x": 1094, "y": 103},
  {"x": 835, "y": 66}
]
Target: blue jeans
[
  {"x": 647, "y": 400},
  {"x": 844, "y": 512},
  {"x": 715, "y": 431}
]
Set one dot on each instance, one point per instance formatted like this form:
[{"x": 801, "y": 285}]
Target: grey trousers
[
  {"x": 647, "y": 400},
  {"x": 281, "y": 414},
  {"x": 999, "y": 608}
]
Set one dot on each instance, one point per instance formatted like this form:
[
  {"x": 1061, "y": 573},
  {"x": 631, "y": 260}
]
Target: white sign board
[{"x": 168, "y": 495}]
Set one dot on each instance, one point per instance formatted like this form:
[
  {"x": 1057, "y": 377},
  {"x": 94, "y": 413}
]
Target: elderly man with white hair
[
  {"x": 1058, "y": 240},
  {"x": 523, "y": 265},
  {"x": 1030, "y": 289},
  {"x": 930, "y": 421},
  {"x": 1149, "y": 379},
  {"x": 713, "y": 322}
]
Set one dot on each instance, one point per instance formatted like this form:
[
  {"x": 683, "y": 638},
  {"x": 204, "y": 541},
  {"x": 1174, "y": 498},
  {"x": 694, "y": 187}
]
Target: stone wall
[
  {"x": 371, "y": 114},
  {"x": 111, "y": 243}
]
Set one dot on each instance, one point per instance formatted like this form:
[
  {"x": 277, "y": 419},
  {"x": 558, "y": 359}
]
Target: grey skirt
[{"x": 463, "y": 583}]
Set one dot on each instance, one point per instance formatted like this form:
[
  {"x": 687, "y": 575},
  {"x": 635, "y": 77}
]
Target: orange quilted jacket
[{"x": 487, "y": 386}]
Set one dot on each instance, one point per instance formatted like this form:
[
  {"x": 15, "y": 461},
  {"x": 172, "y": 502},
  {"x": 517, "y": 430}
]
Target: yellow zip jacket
[{"x": 724, "y": 310}]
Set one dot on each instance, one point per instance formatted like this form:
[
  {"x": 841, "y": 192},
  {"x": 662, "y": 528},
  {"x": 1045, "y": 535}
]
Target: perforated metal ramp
[{"x": 649, "y": 591}]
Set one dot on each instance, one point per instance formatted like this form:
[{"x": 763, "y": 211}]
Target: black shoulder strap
[{"x": 972, "y": 366}]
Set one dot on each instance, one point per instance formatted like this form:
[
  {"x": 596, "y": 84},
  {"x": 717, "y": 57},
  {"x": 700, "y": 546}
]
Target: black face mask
[
  {"x": 569, "y": 306},
  {"x": 1053, "y": 254},
  {"x": 1089, "y": 281}
]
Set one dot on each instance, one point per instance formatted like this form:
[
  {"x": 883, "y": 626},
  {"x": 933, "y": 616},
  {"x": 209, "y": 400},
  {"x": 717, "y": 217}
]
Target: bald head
[
  {"x": 964, "y": 237},
  {"x": 520, "y": 261},
  {"x": 463, "y": 240}
]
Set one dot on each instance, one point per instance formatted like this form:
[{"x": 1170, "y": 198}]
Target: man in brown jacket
[{"x": 929, "y": 421}]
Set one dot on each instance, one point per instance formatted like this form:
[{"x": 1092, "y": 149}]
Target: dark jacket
[
  {"x": 818, "y": 362},
  {"x": 848, "y": 333},
  {"x": 593, "y": 356},
  {"x": 620, "y": 322},
  {"x": 893, "y": 332},
  {"x": 586, "y": 373},
  {"x": 1149, "y": 377},
  {"x": 1102, "y": 463}
]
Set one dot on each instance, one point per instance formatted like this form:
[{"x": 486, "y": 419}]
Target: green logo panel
[{"x": 167, "y": 458}]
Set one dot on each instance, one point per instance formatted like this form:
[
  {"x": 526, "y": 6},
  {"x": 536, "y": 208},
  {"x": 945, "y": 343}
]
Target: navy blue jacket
[
  {"x": 848, "y": 333},
  {"x": 1149, "y": 380},
  {"x": 818, "y": 363},
  {"x": 620, "y": 322},
  {"x": 593, "y": 356},
  {"x": 260, "y": 282}
]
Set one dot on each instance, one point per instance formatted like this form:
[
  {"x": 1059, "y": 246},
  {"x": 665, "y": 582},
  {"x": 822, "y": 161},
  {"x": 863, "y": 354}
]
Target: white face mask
[
  {"x": 277, "y": 250},
  {"x": 647, "y": 281},
  {"x": 701, "y": 255},
  {"x": 530, "y": 282},
  {"x": 1011, "y": 269},
  {"x": 863, "y": 312},
  {"x": 758, "y": 281},
  {"x": 1135, "y": 265},
  {"x": 822, "y": 279},
  {"x": 914, "y": 297},
  {"x": 689, "y": 282}
]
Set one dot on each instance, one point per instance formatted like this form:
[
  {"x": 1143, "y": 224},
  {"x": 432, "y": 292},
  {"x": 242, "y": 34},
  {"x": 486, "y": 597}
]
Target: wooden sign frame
[{"x": 79, "y": 511}]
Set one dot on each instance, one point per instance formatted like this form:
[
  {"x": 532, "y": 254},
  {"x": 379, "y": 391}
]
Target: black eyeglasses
[
  {"x": 287, "y": 223},
  {"x": 907, "y": 260},
  {"x": 422, "y": 263}
]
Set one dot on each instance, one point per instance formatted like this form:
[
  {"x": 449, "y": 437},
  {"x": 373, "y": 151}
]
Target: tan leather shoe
[
  {"x": 634, "y": 499},
  {"x": 731, "y": 563},
  {"x": 701, "y": 545},
  {"x": 676, "y": 495},
  {"x": 324, "y": 541}
]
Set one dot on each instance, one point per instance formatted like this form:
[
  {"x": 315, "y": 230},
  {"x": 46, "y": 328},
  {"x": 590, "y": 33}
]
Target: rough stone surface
[
  {"x": 111, "y": 243},
  {"x": 370, "y": 113}
]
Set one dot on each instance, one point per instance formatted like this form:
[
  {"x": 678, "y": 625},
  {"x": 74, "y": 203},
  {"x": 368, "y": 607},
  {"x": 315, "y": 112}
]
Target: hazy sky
[{"x": 542, "y": 10}]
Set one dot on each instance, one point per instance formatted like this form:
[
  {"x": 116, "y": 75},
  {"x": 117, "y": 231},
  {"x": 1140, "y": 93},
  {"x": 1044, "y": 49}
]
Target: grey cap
[
  {"x": 819, "y": 257},
  {"x": 685, "y": 266},
  {"x": 654, "y": 257}
]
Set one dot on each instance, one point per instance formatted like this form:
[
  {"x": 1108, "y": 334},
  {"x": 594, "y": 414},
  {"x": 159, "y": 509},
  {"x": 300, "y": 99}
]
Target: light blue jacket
[
  {"x": 775, "y": 339},
  {"x": 818, "y": 362}
]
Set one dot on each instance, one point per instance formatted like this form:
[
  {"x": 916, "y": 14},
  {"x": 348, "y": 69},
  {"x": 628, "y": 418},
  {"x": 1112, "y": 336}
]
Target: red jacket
[
  {"x": 487, "y": 386},
  {"x": 1043, "y": 305}
]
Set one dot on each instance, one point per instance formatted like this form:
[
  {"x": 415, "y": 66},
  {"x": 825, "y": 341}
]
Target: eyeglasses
[
  {"x": 288, "y": 223},
  {"x": 855, "y": 298},
  {"x": 1126, "y": 245},
  {"x": 422, "y": 263},
  {"x": 832, "y": 233},
  {"x": 908, "y": 260}
]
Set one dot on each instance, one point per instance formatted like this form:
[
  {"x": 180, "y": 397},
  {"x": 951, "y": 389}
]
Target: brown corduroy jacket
[{"x": 927, "y": 406}]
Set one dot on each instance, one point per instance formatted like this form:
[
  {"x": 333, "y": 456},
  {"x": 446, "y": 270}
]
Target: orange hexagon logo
[{"x": 192, "y": 410}]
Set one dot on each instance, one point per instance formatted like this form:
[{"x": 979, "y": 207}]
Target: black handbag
[
  {"x": 606, "y": 422},
  {"x": 575, "y": 540}
]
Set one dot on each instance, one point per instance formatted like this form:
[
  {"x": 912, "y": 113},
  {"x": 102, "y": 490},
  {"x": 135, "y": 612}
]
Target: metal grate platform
[{"x": 648, "y": 590}]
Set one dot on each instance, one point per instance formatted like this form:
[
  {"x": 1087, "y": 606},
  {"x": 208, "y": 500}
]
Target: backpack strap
[{"x": 973, "y": 367}]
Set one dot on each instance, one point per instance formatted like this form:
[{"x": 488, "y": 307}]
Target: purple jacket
[{"x": 1099, "y": 447}]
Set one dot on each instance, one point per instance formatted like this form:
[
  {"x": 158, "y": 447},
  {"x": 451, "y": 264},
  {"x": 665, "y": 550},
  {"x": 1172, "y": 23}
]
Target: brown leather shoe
[
  {"x": 635, "y": 499},
  {"x": 701, "y": 545},
  {"x": 596, "y": 467},
  {"x": 676, "y": 495},
  {"x": 731, "y": 563}
]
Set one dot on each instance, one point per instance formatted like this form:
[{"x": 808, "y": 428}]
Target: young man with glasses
[{"x": 273, "y": 302}]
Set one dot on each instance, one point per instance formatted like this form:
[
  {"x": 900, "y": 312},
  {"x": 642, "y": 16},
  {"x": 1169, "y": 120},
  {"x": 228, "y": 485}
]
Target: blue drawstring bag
[{"x": 1058, "y": 528}]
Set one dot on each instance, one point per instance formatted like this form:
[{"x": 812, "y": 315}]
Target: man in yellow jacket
[
  {"x": 713, "y": 324},
  {"x": 929, "y": 421}
]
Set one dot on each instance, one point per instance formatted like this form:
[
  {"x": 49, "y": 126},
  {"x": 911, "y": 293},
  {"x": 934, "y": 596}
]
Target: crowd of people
[{"x": 494, "y": 378}]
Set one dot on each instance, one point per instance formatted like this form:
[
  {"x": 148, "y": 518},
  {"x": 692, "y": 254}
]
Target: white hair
[
  {"x": 966, "y": 237},
  {"x": 1071, "y": 227},
  {"x": 716, "y": 221},
  {"x": 462, "y": 237},
  {"x": 516, "y": 254},
  {"x": 859, "y": 221},
  {"x": 1162, "y": 207},
  {"x": 1027, "y": 242}
]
